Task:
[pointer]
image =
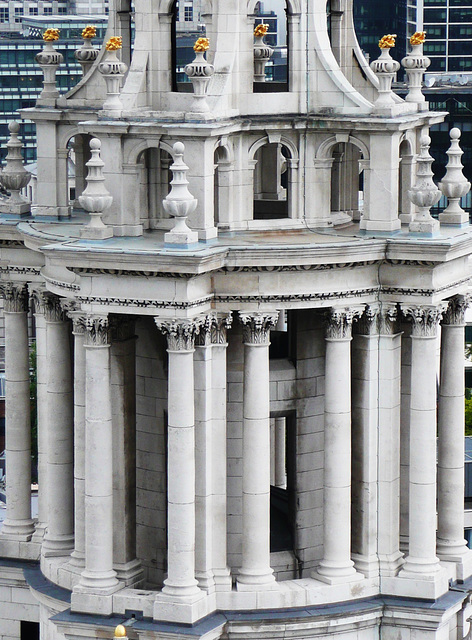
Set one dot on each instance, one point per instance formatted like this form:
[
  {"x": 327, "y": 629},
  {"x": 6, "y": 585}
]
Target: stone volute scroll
[
  {"x": 49, "y": 60},
  {"x": 425, "y": 193},
  {"x": 415, "y": 65},
  {"x": 180, "y": 203},
  {"x": 385, "y": 68},
  {"x": 95, "y": 199},
  {"x": 199, "y": 72},
  {"x": 454, "y": 185},
  {"x": 15, "y": 177},
  {"x": 113, "y": 70},
  {"x": 262, "y": 52},
  {"x": 87, "y": 54}
]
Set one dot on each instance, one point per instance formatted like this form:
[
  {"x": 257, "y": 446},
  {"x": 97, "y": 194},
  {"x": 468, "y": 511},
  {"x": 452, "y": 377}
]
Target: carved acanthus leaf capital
[
  {"x": 97, "y": 331},
  {"x": 257, "y": 326},
  {"x": 367, "y": 324},
  {"x": 424, "y": 318},
  {"x": 15, "y": 297},
  {"x": 388, "y": 320},
  {"x": 180, "y": 334},
  {"x": 339, "y": 323},
  {"x": 455, "y": 312},
  {"x": 214, "y": 329}
]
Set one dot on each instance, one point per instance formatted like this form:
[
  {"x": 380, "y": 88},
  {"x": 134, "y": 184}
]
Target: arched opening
[
  {"x": 272, "y": 181},
  {"x": 275, "y": 14},
  {"x": 406, "y": 179},
  {"x": 346, "y": 183},
  {"x": 223, "y": 188},
  {"x": 153, "y": 181},
  {"x": 186, "y": 27},
  {"x": 78, "y": 154}
]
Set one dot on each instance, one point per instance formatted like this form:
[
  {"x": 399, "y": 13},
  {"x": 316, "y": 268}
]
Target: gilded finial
[
  {"x": 261, "y": 30},
  {"x": 120, "y": 631},
  {"x": 51, "y": 35},
  {"x": 114, "y": 43},
  {"x": 388, "y": 41},
  {"x": 418, "y": 37},
  {"x": 89, "y": 32},
  {"x": 202, "y": 44}
]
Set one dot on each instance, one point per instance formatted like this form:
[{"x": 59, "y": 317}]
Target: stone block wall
[
  {"x": 17, "y": 603},
  {"x": 151, "y": 406}
]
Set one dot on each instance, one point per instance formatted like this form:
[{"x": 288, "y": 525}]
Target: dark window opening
[{"x": 29, "y": 630}]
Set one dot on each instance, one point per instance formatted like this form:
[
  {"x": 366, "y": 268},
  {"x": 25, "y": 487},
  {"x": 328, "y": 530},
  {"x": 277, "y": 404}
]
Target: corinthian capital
[
  {"x": 180, "y": 334},
  {"x": 97, "y": 331},
  {"x": 257, "y": 326},
  {"x": 15, "y": 297},
  {"x": 424, "y": 319},
  {"x": 214, "y": 329},
  {"x": 339, "y": 323},
  {"x": 455, "y": 312}
]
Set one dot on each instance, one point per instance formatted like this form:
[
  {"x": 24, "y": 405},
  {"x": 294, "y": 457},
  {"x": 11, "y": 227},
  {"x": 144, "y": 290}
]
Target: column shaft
[
  {"x": 18, "y": 524},
  {"x": 41, "y": 417}
]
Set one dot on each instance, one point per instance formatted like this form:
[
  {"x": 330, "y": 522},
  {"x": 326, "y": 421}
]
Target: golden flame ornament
[
  {"x": 202, "y": 44},
  {"x": 418, "y": 38},
  {"x": 89, "y": 32},
  {"x": 51, "y": 35},
  {"x": 388, "y": 41},
  {"x": 114, "y": 43},
  {"x": 261, "y": 30}
]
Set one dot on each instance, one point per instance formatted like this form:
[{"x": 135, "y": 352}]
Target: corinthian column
[
  {"x": 421, "y": 563},
  {"x": 256, "y": 572},
  {"x": 336, "y": 565},
  {"x": 180, "y": 581},
  {"x": 18, "y": 525},
  {"x": 59, "y": 537},
  {"x": 451, "y": 545},
  {"x": 98, "y": 575}
]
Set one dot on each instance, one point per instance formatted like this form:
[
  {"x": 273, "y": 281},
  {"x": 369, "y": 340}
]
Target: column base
[
  {"x": 367, "y": 565},
  {"x": 77, "y": 559},
  {"x": 416, "y": 585},
  {"x": 57, "y": 546},
  {"x": 206, "y": 581},
  {"x": 129, "y": 573},
  {"x": 103, "y": 582},
  {"x": 382, "y": 226},
  {"x": 338, "y": 578},
  {"x": 391, "y": 564},
  {"x": 187, "y": 609},
  {"x": 223, "y": 580},
  {"x": 94, "y": 601},
  {"x": 463, "y": 561},
  {"x": 248, "y": 580},
  {"x": 39, "y": 532},
  {"x": 19, "y": 530}
]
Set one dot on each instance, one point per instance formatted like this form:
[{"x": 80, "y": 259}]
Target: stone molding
[
  {"x": 97, "y": 331},
  {"x": 425, "y": 319},
  {"x": 455, "y": 312},
  {"x": 180, "y": 334},
  {"x": 214, "y": 329},
  {"x": 339, "y": 323},
  {"x": 257, "y": 326},
  {"x": 15, "y": 297}
]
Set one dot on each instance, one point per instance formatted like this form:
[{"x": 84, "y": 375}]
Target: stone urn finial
[
  {"x": 425, "y": 193},
  {"x": 262, "y": 52},
  {"x": 15, "y": 177},
  {"x": 200, "y": 71},
  {"x": 49, "y": 60},
  {"x": 454, "y": 185},
  {"x": 415, "y": 65},
  {"x": 385, "y": 68},
  {"x": 87, "y": 54},
  {"x": 113, "y": 70},
  {"x": 180, "y": 203},
  {"x": 95, "y": 199}
]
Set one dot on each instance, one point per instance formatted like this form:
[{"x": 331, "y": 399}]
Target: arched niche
[
  {"x": 406, "y": 180},
  {"x": 153, "y": 184},
  {"x": 223, "y": 185},
  {"x": 72, "y": 158}
]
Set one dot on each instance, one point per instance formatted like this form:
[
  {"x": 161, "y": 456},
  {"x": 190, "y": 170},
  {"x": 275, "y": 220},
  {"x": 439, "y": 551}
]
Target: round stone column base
[{"x": 21, "y": 530}]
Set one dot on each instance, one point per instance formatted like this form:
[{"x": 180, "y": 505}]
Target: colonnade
[{"x": 78, "y": 414}]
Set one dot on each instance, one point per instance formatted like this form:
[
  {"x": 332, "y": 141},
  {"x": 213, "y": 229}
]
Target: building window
[
  {"x": 48, "y": 11},
  {"x": 4, "y": 15},
  {"x": 33, "y": 11},
  {"x": 18, "y": 14},
  {"x": 188, "y": 14}
]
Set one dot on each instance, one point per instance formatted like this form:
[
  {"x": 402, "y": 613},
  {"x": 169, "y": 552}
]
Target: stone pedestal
[
  {"x": 18, "y": 525},
  {"x": 255, "y": 572}
]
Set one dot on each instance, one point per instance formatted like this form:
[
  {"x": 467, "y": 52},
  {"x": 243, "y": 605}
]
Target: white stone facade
[{"x": 238, "y": 418}]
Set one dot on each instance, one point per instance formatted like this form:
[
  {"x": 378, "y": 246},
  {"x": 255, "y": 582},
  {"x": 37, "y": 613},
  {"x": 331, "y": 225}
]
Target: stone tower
[{"x": 249, "y": 376}]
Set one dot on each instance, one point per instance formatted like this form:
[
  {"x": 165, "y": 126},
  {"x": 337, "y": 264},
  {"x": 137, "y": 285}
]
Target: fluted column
[
  {"x": 421, "y": 562},
  {"x": 255, "y": 572},
  {"x": 98, "y": 575},
  {"x": 18, "y": 525},
  {"x": 450, "y": 538},
  {"x": 180, "y": 581},
  {"x": 78, "y": 331},
  {"x": 59, "y": 537},
  {"x": 336, "y": 565},
  {"x": 211, "y": 568}
]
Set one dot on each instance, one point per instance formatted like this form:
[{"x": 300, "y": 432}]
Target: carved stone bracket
[
  {"x": 214, "y": 329},
  {"x": 425, "y": 319},
  {"x": 97, "y": 331},
  {"x": 339, "y": 323},
  {"x": 180, "y": 334},
  {"x": 257, "y": 326},
  {"x": 15, "y": 297},
  {"x": 455, "y": 312}
]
